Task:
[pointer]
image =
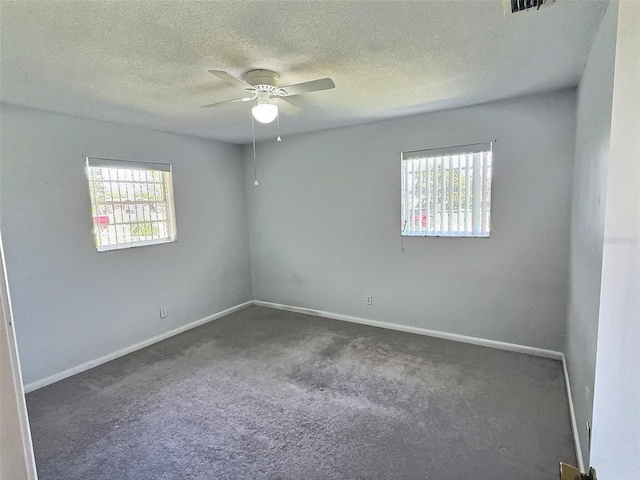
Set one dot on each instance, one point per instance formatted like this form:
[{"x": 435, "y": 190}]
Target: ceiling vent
[{"x": 515, "y": 6}]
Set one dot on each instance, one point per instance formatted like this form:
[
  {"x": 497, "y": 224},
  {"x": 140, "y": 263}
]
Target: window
[
  {"x": 447, "y": 192},
  {"x": 131, "y": 203}
]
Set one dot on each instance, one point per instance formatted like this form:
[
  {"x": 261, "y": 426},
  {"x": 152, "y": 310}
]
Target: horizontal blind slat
[
  {"x": 444, "y": 151},
  {"x": 127, "y": 164}
]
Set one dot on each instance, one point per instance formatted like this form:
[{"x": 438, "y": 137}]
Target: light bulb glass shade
[{"x": 265, "y": 112}]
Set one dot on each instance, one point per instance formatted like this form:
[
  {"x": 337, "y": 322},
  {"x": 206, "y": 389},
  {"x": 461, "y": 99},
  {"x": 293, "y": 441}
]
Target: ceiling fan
[{"x": 262, "y": 86}]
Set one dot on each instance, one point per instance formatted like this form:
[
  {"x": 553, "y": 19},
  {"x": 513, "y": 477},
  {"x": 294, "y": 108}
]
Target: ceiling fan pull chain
[
  {"x": 279, "y": 139},
  {"x": 255, "y": 165}
]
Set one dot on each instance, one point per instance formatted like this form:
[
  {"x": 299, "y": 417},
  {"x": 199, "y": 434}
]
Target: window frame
[
  {"x": 433, "y": 160},
  {"x": 168, "y": 202}
]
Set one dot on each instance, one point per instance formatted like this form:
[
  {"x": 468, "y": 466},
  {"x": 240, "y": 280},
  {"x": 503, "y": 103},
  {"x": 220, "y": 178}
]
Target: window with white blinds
[
  {"x": 447, "y": 192},
  {"x": 131, "y": 202}
]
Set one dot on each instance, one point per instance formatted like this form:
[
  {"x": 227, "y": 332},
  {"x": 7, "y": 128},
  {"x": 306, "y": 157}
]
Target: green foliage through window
[{"x": 144, "y": 230}]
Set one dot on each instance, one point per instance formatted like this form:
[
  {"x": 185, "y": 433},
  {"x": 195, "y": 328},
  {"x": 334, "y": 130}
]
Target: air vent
[{"x": 515, "y": 6}]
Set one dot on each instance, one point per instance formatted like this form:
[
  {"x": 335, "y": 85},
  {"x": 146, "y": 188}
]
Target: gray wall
[
  {"x": 587, "y": 219},
  {"x": 72, "y": 304},
  {"x": 325, "y": 224},
  {"x": 615, "y": 452}
]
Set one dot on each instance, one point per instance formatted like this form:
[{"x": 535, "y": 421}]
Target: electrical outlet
[
  {"x": 163, "y": 313},
  {"x": 368, "y": 300}
]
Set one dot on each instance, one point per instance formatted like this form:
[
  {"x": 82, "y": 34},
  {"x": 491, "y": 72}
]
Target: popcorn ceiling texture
[
  {"x": 266, "y": 394},
  {"x": 144, "y": 63}
]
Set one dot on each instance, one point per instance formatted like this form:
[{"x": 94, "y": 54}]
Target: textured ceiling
[{"x": 145, "y": 63}]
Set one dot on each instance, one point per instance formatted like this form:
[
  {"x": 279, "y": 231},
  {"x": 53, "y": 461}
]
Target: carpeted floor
[{"x": 266, "y": 394}]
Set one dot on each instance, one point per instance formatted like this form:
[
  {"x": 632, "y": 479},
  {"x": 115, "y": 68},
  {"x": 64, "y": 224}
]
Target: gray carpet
[{"x": 265, "y": 394}]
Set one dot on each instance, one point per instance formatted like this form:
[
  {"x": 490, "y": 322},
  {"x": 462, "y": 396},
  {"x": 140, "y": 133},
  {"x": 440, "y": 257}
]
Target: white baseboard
[
  {"x": 112, "y": 356},
  {"x": 572, "y": 415},
  {"x": 512, "y": 347}
]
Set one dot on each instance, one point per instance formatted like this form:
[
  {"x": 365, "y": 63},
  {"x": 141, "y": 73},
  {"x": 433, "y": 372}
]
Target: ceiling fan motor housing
[{"x": 259, "y": 78}]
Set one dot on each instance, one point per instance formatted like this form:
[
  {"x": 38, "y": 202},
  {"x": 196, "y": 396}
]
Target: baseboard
[
  {"x": 512, "y": 347},
  {"x": 572, "y": 415},
  {"x": 30, "y": 387}
]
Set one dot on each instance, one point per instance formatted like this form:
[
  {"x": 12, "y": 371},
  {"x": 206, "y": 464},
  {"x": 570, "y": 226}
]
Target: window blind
[
  {"x": 132, "y": 203},
  {"x": 447, "y": 191}
]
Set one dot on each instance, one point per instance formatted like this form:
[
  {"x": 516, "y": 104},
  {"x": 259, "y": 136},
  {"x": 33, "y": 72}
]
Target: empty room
[{"x": 320, "y": 239}]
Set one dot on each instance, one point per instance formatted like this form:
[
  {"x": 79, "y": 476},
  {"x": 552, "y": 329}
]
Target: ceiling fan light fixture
[{"x": 265, "y": 112}]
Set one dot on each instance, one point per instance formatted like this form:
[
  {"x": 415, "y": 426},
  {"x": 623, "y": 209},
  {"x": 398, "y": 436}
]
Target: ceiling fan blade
[
  {"x": 307, "y": 87},
  {"x": 286, "y": 107},
  {"x": 245, "y": 99},
  {"x": 230, "y": 79}
]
